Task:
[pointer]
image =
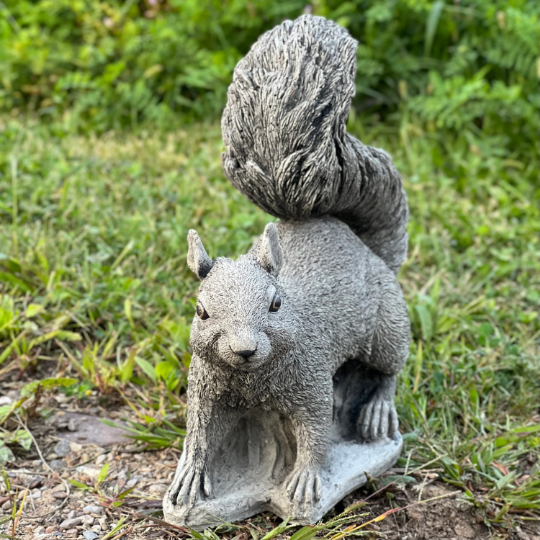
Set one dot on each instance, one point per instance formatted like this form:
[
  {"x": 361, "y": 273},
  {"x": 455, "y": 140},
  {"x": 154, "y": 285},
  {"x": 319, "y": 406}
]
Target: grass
[{"x": 94, "y": 284}]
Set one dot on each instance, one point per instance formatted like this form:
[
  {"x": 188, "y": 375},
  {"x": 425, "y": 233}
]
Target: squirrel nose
[
  {"x": 243, "y": 345},
  {"x": 246, "y": 353}
]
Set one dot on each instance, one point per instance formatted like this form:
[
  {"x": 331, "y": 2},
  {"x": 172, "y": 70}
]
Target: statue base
[{"x": 240, "y": 491}]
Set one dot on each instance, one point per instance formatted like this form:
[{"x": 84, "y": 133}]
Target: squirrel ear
[
  {"x": 270, "y": 256},
  {"x": 197, "y": 259}
]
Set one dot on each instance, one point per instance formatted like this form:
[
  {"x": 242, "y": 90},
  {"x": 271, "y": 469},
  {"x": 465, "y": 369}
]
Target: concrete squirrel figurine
[{"x": 311, "y": 322}]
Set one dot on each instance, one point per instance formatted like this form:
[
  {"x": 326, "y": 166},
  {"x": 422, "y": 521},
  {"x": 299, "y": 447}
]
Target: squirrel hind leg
[
  {"x": 378, "y": 419},
  {"x": 364, "y": 403},
  {"x": 355, "y": 385}
]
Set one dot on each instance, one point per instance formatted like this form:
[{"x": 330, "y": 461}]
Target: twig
[
  {"x": 18, "y": 516},
  {"x": 123, "y": 533},
  {"x": 408, "y": 461},
  {"x": 25, "y": 427},
  {"x": 391, "y": 511},
  {"x": 33, "y": 505},
  {"x": 378, "y": 491},
  {"x": 52, "y": 473},
  {"x": 159, "y": 522},
  {"x": 27, "y": 471},
  {"x": 421, "y": 488},
  {"x": 422, "y": 467},
  {"x": 89, "y": 460}
]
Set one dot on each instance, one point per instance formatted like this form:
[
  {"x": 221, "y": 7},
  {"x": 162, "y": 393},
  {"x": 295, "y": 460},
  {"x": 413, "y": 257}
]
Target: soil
[{"x": 63, "y": 498}]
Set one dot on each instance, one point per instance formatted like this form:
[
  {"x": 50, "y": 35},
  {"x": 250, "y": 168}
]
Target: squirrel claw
[
  {"x": 377, "y": 420},
  {"x": 305, "y": 486},
  {"x": 189, "y": 486}
]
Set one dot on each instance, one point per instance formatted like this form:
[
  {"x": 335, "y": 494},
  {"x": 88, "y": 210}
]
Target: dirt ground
[{"x": 63, "y": 497}]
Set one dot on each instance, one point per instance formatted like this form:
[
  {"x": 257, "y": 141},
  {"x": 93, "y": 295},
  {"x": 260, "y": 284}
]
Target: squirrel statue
[{"x": 316, "y": 299}]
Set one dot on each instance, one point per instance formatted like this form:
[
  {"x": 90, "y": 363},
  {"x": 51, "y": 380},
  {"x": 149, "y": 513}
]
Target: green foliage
[{"x": 468, "y": 66}]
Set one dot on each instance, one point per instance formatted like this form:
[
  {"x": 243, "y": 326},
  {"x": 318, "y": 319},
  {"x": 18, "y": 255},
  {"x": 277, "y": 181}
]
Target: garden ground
[{"x": 96, "y": 299}]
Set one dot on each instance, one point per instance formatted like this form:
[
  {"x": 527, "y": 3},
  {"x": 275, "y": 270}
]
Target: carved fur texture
[
  {"x": 286, "y": 145},
  {"x": 315, "y": 303}
]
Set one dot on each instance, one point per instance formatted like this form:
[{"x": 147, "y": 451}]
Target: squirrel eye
[
  {"x": 201, "y": 312},
  {"x": 276, "y": 303}
]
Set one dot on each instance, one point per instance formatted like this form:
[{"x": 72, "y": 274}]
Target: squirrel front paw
[
  {"x": 190, "y": 483},
  {"x": 304, "y": 485},
  {"x": 378, "y": 419}
]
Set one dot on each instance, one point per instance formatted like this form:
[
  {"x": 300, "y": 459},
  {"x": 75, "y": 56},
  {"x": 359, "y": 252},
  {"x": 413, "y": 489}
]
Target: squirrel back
[{"x": 286, "y": 145}]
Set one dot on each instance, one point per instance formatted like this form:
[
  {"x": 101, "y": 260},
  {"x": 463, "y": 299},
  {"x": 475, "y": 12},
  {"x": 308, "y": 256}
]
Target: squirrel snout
[{"x": 243, "y": 347}]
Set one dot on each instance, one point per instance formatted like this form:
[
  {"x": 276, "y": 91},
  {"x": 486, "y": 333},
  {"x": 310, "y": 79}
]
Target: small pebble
[
  {"x": 93, "y": 509},
  {"x": 87, "y": 520},
  {"x": 59, "y": 495},
  {"x": 88, "y": 470},
  {"x": 103, "y": 524},
  {"x": 157, "y": 489},
  {"x": 6, "y": 505},
  {"x": 131, "y": 483},
  {"x": 51, "y": 529},
  {"x": 36, "y": 483},
  {"x": 75, "y": 447},
  {"x": 58, "y": 464},
  {"x": 71, "y": 533},
  {"x": 62, "y": 449},
  {"x": 70, "y": 523},
  {"x": 90, "y": 535}
]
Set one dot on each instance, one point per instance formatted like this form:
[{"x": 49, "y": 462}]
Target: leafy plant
[
  {"x": 107, "y": 498},
  {"x": 468, "y": 67}
]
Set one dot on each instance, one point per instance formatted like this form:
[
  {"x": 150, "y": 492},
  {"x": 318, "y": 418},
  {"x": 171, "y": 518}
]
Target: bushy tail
[{"x": 286, "y": 146}]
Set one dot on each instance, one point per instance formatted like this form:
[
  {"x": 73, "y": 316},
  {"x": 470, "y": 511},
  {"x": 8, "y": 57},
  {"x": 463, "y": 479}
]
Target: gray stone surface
[
  {"x": 86, "y": 429},
  {"x": 62, "y": 449},
  {"x": 297, "y": 344},
  {"x": 57, "y": 464},
  {"x": 286, "y": 144},
  {"x": 93, "y": 509},
  {"x": 241, "y": 492}
]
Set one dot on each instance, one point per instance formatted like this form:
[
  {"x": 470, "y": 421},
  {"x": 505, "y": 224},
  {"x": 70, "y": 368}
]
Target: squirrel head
[{"x": 243, "y": 318}]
